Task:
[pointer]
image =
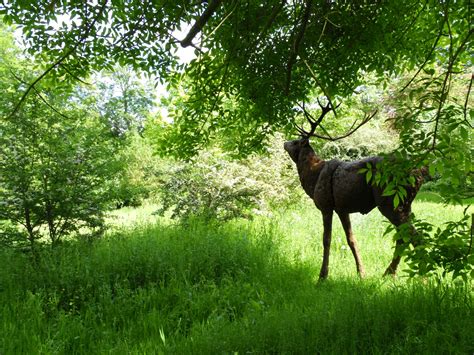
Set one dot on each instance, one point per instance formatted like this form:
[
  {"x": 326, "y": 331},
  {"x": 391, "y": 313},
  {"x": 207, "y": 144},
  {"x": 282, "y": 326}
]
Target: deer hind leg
[
  {"x": 397, "y": 217},
  {"x": 392, "y": 268},
  {"x": 346, "y": 224},
  {"x": 327, "y": 221}
]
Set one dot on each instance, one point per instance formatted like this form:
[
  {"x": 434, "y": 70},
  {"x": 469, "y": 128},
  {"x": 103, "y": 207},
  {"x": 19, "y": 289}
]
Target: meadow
[{"x": 152, "y": 286}]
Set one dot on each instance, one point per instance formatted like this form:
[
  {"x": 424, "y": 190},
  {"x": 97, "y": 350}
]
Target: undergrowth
[{"x": 236, "y": 288}]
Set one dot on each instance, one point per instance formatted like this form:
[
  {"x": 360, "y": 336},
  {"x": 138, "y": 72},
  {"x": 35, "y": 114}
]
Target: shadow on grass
[
  {"x": 433, "y": 197},
  {"x": 428, "y": 196},
  {"x": 216, "y": 290}
]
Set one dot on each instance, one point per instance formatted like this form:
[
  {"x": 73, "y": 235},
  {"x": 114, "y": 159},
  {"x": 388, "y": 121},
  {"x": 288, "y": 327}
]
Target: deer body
[{"x": 337, "y": 186}]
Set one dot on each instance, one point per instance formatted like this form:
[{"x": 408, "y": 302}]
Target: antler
[{"x": 316, "y": 122}]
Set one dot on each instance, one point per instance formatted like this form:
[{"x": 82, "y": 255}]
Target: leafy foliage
[
  {"x": 140, "y": 177},
  {"x": 54, "y": 166},
  {"x": 441, "y": 251},
  {"x": 283, "y": 52},
  {"x": 54, "y": 171},
  {"x": 215, "y": 187},
  {"x": 122, "y": 99},
  {"x": 373, "y": 139},
  {"x": 436, "y": 131},
  {"x": 212, "y": 190}
]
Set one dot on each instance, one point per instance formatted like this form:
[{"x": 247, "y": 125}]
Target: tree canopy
[{"x": 254, "y": 59}]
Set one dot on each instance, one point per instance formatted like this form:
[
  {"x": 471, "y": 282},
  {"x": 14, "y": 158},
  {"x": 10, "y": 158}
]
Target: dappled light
[
  {"x": 244, "y": 286},
  {"x": 160, "y": 164}
]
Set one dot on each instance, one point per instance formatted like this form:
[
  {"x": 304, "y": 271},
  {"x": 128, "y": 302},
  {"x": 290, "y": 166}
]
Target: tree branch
[
  {"x": 276, "y": 10},
  {"x": 313, "y": 74},
  {"x": 224, "y": 19},
  {"x": 467, "y": 100},
  {"x": 39, "y": 95},
  {"x": 200, "y": 23},
  {"x": 440, "y": 33},
  {"x": 444, "y": 92},
  {"x": 74, "y": 75},
  {"x": 59, "y": 61},
  {"x": 410, "y": 25},
  {"x": 296, "y": 45}
]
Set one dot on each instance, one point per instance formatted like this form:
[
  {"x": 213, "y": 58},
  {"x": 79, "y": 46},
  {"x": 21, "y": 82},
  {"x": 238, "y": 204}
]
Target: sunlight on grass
[
  {"x": 130, "y": 217},
  {"x": 151, "y": 286}
]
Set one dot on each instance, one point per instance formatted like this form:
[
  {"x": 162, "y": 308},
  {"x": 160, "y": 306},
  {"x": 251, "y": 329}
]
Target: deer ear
[{"x": 305, "y": 142}]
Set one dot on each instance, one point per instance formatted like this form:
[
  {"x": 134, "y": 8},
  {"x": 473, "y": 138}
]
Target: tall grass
[{"x": 236, "y": 288}]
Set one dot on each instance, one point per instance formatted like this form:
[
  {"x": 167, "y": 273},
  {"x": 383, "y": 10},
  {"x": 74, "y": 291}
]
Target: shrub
[
  {"x": 54, "y": 169},
  {"x": 212, "y": 188},
  {"x": 139, "y": 178},
  {"x": 217, "y": 187},
  {"x": 370, "y": 140}
]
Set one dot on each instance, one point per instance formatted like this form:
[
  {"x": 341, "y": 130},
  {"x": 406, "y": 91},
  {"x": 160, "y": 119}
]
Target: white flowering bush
[{"x": 215, "y": 187}]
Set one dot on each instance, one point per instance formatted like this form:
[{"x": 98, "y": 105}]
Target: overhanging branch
[
  {"x": 297, "y": 43},
  {"x": 200, "y": 23},
  {"x": 59, "y": 61}
]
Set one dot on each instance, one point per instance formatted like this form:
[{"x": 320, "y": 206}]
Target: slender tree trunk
[{"x": 31, "y": 234}]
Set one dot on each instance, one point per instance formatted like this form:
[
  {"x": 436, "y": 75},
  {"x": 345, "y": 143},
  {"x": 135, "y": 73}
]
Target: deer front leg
[
  {"x": 327, "y": 222},
  {"x": 346, "y": 224}
]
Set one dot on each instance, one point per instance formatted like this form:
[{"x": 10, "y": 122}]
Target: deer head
[{"x": 296, "y": 147}]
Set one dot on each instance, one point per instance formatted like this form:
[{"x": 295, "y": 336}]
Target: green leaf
[
  {"x": 396, "y": 201},
  {"x": 432, "y": 170},
  {"x": 388, "y": 192},
  {"x": 402, "y": 192},
  {"x": 368, "y": 176}
]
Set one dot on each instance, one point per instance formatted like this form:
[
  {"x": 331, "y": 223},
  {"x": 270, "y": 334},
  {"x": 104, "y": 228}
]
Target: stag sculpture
[{"x": 338, "y": 186}]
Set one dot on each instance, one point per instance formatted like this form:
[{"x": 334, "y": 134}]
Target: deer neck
[{"x": 309, "y": 169}]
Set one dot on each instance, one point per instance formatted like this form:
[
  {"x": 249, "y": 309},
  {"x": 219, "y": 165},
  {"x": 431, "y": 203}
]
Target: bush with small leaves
[
  {"x": 55, "y": 169},
  {"x": 216, "y": 187}
]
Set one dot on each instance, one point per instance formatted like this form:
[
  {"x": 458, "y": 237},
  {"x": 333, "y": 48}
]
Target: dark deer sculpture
[{"x": 337, "y": 186}]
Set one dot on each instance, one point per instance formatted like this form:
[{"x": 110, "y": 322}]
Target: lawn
[{"x": 151, "y": 286}]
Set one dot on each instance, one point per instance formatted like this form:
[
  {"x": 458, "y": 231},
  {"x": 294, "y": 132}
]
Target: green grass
[{"x": 242, "y": 287}]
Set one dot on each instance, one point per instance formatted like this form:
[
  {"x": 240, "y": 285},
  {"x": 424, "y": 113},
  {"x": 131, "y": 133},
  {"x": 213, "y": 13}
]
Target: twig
[
  {"x": 296, "y": 45},
  {"x": 313, "y": 74},
  {"x": 405, "y": 31},
  {"x": 39, "y": 95},
  {"x": 224, "y": 19},
  {"x": 73, "y": 75},
  {"x": 444, "y": 95},
  {"x": 467, "y": 100},
  {"x": 472, "y": 234},
  {"x": 440, "y": 33},
  {"x": 219, "y": 91},
  {"x": 322, "y": 32},
  {"x": 49, "y": 105},
  {"x": 347, "y": 134},
  {"x": 58, "y": 62},
  {"x": 276, "y": 10}
]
